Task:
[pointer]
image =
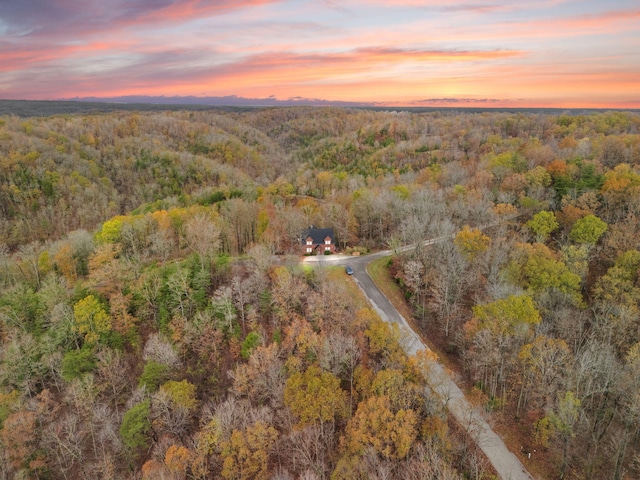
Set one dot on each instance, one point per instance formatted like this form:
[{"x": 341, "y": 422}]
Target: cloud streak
[{"x": 55, "y": 18}]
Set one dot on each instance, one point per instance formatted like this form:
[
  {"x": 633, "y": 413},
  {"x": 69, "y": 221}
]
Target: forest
[{"x": 156, "y": 323}]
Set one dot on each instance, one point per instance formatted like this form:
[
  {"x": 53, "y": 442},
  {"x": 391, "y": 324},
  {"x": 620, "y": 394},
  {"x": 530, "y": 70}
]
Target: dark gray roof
[{"x": 317, "y": 235}]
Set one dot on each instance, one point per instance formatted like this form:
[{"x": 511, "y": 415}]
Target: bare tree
[{"x": 202, "y": 236}]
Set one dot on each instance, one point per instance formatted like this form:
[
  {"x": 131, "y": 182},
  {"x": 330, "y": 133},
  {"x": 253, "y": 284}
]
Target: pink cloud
[{"x": 63, "y": 18}]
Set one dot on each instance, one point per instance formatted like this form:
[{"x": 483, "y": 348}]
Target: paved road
[{"x": 504, "y": 461}]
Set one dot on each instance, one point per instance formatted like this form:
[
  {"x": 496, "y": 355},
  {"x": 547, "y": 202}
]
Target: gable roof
[{"x": 318, "y": 235}]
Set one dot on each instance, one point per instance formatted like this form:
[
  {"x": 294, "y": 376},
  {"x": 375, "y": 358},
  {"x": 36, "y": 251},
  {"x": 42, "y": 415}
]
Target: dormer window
[{"x": 327, "y": 241}]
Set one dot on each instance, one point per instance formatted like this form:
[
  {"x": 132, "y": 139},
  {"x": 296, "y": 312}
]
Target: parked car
[{"x": 349, "y": 270}]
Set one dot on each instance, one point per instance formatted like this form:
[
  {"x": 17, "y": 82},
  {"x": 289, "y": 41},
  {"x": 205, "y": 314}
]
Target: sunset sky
[{"x": 545, "y": 53}]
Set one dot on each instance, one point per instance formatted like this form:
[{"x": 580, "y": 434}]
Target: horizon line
[{"x": 272, "y": 101}]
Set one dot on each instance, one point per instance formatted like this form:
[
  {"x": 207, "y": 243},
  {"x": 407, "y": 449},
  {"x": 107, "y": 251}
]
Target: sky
[{"x": 502, "y": 53}]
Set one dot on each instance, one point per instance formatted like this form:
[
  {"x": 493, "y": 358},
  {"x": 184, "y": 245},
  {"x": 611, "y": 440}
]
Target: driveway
[{"x": 503, "y": 460}]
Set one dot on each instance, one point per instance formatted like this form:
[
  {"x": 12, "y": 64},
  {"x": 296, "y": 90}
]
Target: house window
[
  {"x": 327, "y": 249},
  {"x": 327, "y": 242},
  {"x": 309, "y": 249},
  {"x": 309, "y": 242}
]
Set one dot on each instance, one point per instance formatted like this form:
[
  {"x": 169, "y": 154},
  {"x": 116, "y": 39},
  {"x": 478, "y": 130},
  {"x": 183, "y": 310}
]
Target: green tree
[
  {"x": 537, "y": 269},
  {"x": 135, "y": 429},
  {"x": 515, "y": 314},
  {"x": 23, "y": 308},
  {"x": 543, "y": 224},
  {"x": 153, "y": 374},
  {"x": 587, "y": 230},
  {"x": 251, "y": 341},
  {"x": 78, "y": 362}
]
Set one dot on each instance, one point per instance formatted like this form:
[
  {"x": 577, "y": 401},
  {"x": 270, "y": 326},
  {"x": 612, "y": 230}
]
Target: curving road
[{"x": 503, "y": 460}]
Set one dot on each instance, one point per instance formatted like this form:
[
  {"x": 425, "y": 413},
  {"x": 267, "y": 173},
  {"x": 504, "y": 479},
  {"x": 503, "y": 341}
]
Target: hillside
[{"x": 155, "y": 322}]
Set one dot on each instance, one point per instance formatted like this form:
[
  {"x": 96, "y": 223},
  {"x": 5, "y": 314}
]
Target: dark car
[{"x": 349, "y": 270}]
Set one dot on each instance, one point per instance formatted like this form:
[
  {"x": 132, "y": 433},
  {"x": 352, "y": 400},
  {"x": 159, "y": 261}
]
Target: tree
[
  {"x": 621, "y": 186},
  {"x": 135, "y": 429},
  {"x": 22, "y": 364},
  {"x": 77, "y": 362},
  {"x": 182, "y": 393},
  {"x": 447, "y": 281},
  {"x": 587, "y": 230},
  {"x": 375, "y": 424},
  {"x": 497, "y": 331},
  {"x": 576, "y": 258},
  {"x": 617, "y": 298},
  {"x": 543, "y": 224},
  {"x": 246, "y": 454},
  {"x": 537, "y": 269},
  {"x": 123, "y": 322},
  {"x": 153, "y": 374},
  {"x": 559, "y": 424},
  {"x": 251, "y": 341},
  {"x": 203, "y": 236},
  {"x": 514, "y": 315},
  {"x": 177, "y": 459},
  {"x": 66, "y": 263},
  {"x": 158, "y": 349},
  {"x": 111, "y": 229},
  {"x": 19, "y": 439},
  {"x": 471, "y": 242},
  {"x": 22, "y": 307},
  {"x": 314, "y": 396},
  {"x": 92, "y": 321},
  {"x": 310, "y": 450},
  {"x": 263, "y": 377},
  {"x": 402, "y": 394},
  {"x": 384, "y": 341},
  {"x": 545, "y": 365}
]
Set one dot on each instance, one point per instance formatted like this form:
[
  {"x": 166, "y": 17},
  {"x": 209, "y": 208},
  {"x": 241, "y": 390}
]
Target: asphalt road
[{"x": 503, "y": 460}]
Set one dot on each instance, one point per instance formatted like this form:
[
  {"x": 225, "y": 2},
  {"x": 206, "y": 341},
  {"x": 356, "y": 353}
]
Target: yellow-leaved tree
[
  {"x": 471, "y": 242},
  {"x": 376, "y": 425},
  {"x": 246, "y": 454},
  {"x": 91, "y": 319},
  {"x": 315, "y": 396}
]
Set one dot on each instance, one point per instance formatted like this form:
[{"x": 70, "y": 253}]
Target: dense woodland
[{"x": 155, "y": 321}]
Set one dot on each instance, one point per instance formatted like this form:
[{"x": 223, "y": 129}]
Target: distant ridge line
[{"x": 87, "y": 105}]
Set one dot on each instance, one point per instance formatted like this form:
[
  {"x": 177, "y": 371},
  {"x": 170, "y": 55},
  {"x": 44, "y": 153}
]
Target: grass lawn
[{"x": 337, "y": 276}]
